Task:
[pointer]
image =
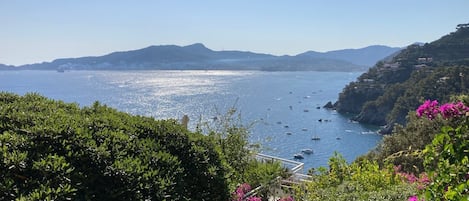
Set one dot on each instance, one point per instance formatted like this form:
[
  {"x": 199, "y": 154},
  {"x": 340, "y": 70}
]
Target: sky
[{"x": 34, "y": 31}]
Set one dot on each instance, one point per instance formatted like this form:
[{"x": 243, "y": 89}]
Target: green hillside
[{"x": 389, "y": 90}]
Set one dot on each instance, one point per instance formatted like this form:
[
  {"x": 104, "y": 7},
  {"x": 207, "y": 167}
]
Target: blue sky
[{"x": 35, "y": 31}]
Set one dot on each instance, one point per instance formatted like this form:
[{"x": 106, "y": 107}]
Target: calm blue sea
[{"x": 282, "y": 106}]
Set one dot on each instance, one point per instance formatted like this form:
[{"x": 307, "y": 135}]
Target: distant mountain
[
  {"x": 367, "y": 56},
  {"x": 389, "y": 90},
  {"x": 6, "y": 67},
  {"x": 199, "y": 57}
]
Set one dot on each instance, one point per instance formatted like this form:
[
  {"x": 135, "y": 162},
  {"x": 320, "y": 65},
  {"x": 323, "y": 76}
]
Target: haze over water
[{"x": 277, "y": 102}]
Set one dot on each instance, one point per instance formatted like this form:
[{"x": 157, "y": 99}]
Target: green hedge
[{"x": 51, "y": 150}]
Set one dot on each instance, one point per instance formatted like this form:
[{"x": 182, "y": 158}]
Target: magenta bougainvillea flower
[
  {"x": 413, "y": 198},
  {"x": 449, "y": 110},
  {"x": 431, "y": 109},
  {"x": 254, "y": 199}
]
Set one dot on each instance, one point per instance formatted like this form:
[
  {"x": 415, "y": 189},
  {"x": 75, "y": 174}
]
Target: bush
[
  {"x": 363, "y": 180},
  {"x": 50, "y": 150}
]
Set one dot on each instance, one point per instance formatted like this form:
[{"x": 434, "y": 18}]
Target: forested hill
[
  {"x": 199, "y": 57},
  {"x": 388, "y": 91}
]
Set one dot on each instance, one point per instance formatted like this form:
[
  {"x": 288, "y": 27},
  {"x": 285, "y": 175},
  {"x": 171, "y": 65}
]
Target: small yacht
[
  {"x": 315, "y": 138},
  {"x": 307, "y": 151},
  {"x": 298, "y": 156}
]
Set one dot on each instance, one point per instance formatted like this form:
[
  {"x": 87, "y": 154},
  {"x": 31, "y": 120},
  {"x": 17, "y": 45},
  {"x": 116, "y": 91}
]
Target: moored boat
[
  {"x": 307, "y": 151},
  {"x": 298, "y": 156}
]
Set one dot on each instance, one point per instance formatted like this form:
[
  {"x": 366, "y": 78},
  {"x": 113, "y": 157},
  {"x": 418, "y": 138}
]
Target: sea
[{"x": 282, "y": 110}]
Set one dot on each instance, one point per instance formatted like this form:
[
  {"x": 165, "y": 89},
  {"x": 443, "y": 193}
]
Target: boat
[
  {"x": 315, "y": 138},
  {"x": 298, "y": 156},
  {"x": 368, "y": 132},
  {"x": 304, "y": 129},
  {"x": 288, "y": 133},
  {"x": 307, "y": 151}
]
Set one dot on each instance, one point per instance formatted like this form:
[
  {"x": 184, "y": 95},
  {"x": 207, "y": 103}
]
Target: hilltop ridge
[{"x": 199, "y": 57}]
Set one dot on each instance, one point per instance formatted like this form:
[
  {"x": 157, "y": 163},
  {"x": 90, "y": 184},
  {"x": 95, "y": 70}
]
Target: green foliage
[
  {"x": 447, "y": 160},
  {"x": 363, "y": 180},
  {"x": 50, "y": 150},
  {"x": 404, "y": 146},
  {"x": 230, "y": 136},
  {"x": 266, "y": 174},
  {"x": 442, "y": 158},
  {"x": 438, "y": 146}
]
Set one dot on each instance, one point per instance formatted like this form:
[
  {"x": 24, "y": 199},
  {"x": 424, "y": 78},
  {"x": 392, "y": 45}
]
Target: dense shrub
[
  {"x": 403, "y": 147},
  {"x": 50, "y": 150},
  {"x": 363, "y": 180}
]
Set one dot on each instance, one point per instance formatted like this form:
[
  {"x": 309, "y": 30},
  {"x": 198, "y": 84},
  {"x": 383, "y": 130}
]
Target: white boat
[
  {"x": 368, "y": 132},
  {"x": 298, "y": 156},
  {"x": 307, "y": 151},
  {"x": 315, "y": 137}
]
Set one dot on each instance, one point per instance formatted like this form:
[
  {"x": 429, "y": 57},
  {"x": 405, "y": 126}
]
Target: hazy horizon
[{"x": 41, "y": 31}]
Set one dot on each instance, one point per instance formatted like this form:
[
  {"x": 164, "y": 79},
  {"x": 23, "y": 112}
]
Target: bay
[{"x": 282, "y": 106}]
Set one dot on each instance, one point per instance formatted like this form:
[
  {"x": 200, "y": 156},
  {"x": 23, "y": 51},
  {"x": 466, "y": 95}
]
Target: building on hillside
[
  {"x": 424, "y": 60},
  {"x": 420, "y": 66},
  {"x": 392, "y": 65}
]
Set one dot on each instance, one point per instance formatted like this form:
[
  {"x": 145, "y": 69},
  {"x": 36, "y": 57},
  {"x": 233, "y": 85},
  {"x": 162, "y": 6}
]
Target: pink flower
[
  {"x": 424, "y": 178},
  {"x": 429, "y": 109},
  {"x": 241, "y": 191},
  {"x": 243, "y": 188},
  {"x": 397, "y": 168},
  {"x": 413, "y": 198},
  {"x": 449, "y": 110},
  {"x": 289, "y": 198},
  {"x": 254, "y": 199},
  {"x": 411, "y": 178}
]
